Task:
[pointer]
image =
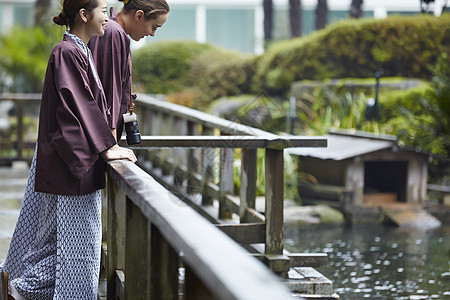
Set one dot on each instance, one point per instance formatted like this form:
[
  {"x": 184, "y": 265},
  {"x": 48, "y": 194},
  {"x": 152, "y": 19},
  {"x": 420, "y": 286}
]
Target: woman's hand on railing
[{"x": 117, "y": 152}]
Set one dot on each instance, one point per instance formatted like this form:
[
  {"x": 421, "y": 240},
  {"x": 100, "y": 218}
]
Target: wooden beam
[
  {"x": 230, "y": 141},
  {"x": 245, "y": 233},
  {"x": 314, "y": 260},
  {"x": 274, "y": 173},
  {"x": 137, "y": 279}
]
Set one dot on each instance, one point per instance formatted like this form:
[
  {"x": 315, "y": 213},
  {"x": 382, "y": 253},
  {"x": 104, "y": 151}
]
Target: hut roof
[{"x": 345, "y": 144}]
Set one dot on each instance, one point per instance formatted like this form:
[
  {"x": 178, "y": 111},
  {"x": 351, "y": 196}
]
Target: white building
[{"x": 233, "y": 24}]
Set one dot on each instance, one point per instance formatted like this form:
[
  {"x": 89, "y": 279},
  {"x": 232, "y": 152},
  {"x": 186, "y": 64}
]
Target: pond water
[{"x": 379, "y": 262}]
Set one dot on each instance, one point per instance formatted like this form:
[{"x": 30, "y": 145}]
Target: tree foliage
[
  {"x": 24, "y": 56},
  {"x": 400, "y": 45}
]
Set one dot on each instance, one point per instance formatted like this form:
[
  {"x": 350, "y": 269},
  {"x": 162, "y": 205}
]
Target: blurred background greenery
[{"x": 330, "y": 72}]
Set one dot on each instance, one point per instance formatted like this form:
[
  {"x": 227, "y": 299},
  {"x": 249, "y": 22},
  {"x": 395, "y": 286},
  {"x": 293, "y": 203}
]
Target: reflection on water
[{"x": 380, "y": 262}]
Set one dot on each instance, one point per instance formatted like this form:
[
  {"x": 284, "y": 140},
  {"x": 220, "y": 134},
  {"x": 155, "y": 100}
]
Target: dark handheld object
[{"x": 133, "y": 135}]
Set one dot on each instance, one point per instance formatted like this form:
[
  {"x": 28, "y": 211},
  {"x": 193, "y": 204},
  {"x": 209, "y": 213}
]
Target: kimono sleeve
[{"x": 82, "y": 131}]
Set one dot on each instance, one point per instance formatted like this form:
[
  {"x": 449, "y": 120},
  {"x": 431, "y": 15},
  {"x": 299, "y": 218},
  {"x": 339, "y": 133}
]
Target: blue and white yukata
[{"x": 55, "y": 249}]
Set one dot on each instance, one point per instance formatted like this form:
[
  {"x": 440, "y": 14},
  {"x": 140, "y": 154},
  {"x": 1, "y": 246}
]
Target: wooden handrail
[
  {"x": 228, "y": 141},
  {"x": 223, "y": 268},
  {"x": 148, "y": 102},
  {"x": 18, "y": 143}
]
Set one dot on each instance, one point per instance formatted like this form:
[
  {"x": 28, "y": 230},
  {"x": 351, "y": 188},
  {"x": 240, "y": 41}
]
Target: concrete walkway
[{"x": 13, "y": 181}]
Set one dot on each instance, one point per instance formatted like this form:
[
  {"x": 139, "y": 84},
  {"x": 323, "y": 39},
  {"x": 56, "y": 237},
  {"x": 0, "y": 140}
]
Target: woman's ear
[
  {"x": 139, "y": 15},
  {"x": 84, "y": 15}
]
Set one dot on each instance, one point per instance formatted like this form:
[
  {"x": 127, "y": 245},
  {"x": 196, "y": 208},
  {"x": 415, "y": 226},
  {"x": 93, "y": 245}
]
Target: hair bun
[{"x": 61, "y": 19}]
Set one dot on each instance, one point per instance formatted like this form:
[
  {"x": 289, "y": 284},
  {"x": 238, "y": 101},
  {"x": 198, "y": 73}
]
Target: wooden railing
[
  {"x": 186, "y": 161},
  {"x": 158, "y": 248},
  {"x": 16, "y": 144}
]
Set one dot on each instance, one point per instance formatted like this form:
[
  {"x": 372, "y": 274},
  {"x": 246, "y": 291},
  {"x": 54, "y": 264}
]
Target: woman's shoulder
[
  {"x": 114, "y": 30},
  {"x": 68, "y": 49}
]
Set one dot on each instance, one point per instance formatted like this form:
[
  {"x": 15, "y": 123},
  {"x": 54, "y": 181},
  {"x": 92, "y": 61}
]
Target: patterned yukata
[{"x": 55, "y": 249}]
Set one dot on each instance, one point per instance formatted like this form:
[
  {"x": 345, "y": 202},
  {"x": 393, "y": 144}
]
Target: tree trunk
[
  {"x": 295, "y": 17},
  {"x": 42, "y": 13},
  {"x": 321, "y": 14},
  {"x": 268, "y": 20},
  {"x": 356, "y": 9}
]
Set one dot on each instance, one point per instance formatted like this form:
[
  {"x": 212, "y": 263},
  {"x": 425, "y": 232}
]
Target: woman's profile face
[
  {"x": 144, "y": 27},
  {"x": 98, "y": 19}
]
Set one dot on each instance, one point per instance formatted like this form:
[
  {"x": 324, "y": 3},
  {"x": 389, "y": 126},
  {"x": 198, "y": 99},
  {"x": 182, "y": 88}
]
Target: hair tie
[{"x": 125, "y": 2}]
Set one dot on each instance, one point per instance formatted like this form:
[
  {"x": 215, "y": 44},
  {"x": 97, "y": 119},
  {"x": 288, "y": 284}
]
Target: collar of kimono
[{"x": 79, "y": 42}]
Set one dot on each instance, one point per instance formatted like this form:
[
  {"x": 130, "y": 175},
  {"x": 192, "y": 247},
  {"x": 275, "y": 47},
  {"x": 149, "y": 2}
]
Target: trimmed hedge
[
  {"x": 401, "y": 45},
  {"x": 164, "y": 67},
  {"x": 221, "y": 72},
  {"x": 191, "y": 73}
]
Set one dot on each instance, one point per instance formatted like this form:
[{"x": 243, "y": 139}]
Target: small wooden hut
[{"x": 359, "y": 170}]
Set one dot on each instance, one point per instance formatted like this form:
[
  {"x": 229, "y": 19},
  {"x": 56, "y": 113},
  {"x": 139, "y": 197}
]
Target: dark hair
[
  {"x": 151, "y": 8},
  {"x": 71, "y": 8}
]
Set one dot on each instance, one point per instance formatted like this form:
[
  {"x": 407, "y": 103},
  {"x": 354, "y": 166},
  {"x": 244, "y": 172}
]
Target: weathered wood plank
[
  {"x": 115, "y": 237},
  {"x": 231, "y": 141},
  {"x": 194, "y": 288},
  {"x": 245, "y": 233},
  {"x": 315, "y": 260},
  {"x": 208, "y": 156},
  {"x": 163, "y": 268},
  {"x": 274, "y": 173},
  {"x": 119, "y": 284},
  {"x": 226, "y": 181},
  {"x": 248, "y": 182},
  {"x": 137, "y": 280},
  {"x": 32, "y": 97}
]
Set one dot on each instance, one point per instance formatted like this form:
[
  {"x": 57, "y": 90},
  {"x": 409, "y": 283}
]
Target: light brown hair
[{"x": 151, "y": 8}]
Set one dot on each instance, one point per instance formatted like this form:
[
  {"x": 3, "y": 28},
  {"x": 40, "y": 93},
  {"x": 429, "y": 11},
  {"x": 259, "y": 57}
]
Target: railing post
[
  {"x": 274, "y": 172},
  {"x": 226, "y": 180},
  {"x": 194, "y": 288},
  {"x": 165, "y": 155},
  {"x": 115, "y": 235},
  {"x": 207, "y": 169},
  {"x": 19, "y": 146},
  {"x": 181, "y": 154},
  {"x": 164, "y": 261},
  {"x": 248, "y": 182},
  {"x": 137, "y": 277},
  {"x": 192, "y": 161}
]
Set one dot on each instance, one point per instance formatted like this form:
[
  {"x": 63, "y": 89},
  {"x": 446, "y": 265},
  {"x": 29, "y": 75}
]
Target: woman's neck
[
  {"x": 79, "y": 32},
  {"x": 121, "y": 17}
]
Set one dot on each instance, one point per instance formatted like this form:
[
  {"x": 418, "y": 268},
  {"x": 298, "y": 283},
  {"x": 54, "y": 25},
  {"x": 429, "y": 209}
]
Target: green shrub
[
  {"x": 400, "y": 45},
  {"x": 164, "y": 67},
  {"x": 207, "y": 72},
  {"x": 221, "y": 72},
  {"x": 24, "y": 56}
]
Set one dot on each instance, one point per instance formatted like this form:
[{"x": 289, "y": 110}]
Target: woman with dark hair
[
  {"x": 112, "y": 55},
  {"x": 55, "y": 249}
]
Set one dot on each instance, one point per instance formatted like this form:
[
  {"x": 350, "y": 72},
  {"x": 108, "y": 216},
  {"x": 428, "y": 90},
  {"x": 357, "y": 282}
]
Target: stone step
[{"x": 308, "y": 283}]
